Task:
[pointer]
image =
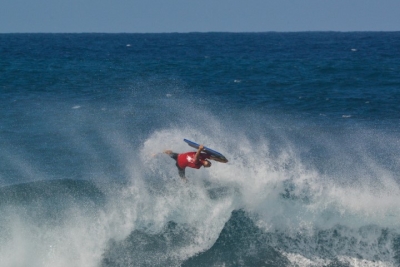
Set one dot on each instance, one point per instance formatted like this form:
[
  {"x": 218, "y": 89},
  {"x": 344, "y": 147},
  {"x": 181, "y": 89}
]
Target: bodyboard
[{"x": 215, "y": 155}]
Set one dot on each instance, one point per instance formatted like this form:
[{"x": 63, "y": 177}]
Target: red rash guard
[{"x": 187, "y": 160}]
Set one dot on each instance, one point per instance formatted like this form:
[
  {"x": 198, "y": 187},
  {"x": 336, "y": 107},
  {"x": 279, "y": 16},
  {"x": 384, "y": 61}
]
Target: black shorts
[{"x": 180, "y": 170}]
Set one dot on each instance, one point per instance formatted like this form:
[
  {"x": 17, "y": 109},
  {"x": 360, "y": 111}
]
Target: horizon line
[{"x": 205, "y": 32}]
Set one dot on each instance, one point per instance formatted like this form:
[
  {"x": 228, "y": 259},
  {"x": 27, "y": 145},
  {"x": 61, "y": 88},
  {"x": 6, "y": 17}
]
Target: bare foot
[{"x": 168, "y": 152}]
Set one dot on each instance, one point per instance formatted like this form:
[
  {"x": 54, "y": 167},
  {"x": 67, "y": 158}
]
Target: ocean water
[{"x": 308, "y": 121}]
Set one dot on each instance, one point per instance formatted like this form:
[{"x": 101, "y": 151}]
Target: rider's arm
[{"x": 197, "y": 156}]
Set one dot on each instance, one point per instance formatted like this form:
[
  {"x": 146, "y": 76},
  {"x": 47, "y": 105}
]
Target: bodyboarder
[{"x": 190, "y": 159}]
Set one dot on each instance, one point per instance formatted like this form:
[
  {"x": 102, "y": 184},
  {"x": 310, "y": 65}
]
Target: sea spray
[{"x": 310, "y": 129}]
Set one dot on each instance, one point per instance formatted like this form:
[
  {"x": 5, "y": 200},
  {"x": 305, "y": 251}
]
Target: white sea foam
[
  {"x": 301, "y": 261},
  {"x": 288, "y": 198},
  {"x": 315, "y": 202}
]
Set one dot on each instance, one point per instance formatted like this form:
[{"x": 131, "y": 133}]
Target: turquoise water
[{"x": 308, "y": 121}]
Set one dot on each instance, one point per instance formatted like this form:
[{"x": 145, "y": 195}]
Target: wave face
[{"x": 312, "y": 177}]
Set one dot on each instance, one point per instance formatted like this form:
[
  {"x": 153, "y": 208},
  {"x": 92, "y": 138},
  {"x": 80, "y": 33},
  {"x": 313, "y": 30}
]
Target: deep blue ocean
[{"x": 310, "y": 123}]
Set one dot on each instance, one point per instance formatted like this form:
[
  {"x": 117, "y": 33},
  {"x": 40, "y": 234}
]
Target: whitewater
[
  {"x": 312, "y": 177},
  {"x": 306, "y": 214}
]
